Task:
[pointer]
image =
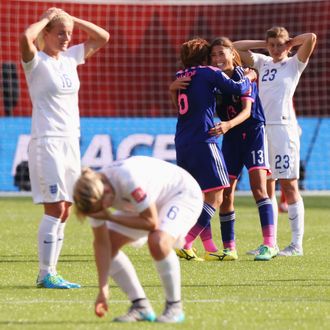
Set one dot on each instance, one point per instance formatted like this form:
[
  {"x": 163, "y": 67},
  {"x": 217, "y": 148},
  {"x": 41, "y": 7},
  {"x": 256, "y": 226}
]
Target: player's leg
[
  {"x": 271, "y": 183},
  {"x": 258, "y": 178},
  {"x": 59, "y": 243},
  {"x": 287, "y": 161},
  {"x": 283, "y": 206},
  {"x": 257, "y": 161},
  {"x": 206, "y": 237},
  {"x": 176, "y": 217},
  {"x": 52, "y": 186},
  {"x": 47, "y": 248},
  {"x": 47, "y": 239},
  {"x": 296, "y": 214},
  {"x": 202, "y": 222},
  {"x": 210, "y": 172},
  {"x": 227, "y": 225},
  {"x": 212, "y": 199},
  {"x": 168, "y": 267},
  {"x": 123, "y": 273}
]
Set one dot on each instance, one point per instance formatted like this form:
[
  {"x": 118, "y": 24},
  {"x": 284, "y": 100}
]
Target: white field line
[{"x": 186, "y": 301}]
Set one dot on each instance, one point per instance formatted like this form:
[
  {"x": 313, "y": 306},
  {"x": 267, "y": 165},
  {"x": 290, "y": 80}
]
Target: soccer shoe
[
  {"x": 173, "y": 313},
  {"x": 224, "y": 255},
  {"x": 139, "y": 311},
  {"x": 256, "y": 251},
  {"x": 52, "y": 282},
  {"x": 70, "y": 284},
  {"x": 266, "y": 253},
  {"x": 291, "y": 251},
  {"x": 189, "y": 254}
]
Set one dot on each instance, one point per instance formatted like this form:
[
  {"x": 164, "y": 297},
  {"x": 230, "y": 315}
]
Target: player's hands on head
[
  {"x": 50, "y": 13},
  {"x": 289, "y": 44}
]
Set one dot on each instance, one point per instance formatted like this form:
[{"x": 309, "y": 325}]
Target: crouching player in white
[{"x": 156, "y": 202}]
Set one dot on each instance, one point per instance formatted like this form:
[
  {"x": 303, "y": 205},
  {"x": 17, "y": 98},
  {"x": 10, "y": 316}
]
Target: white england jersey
[
  {"x": 277, "y": 84},
  {"x": 53, "y": 86},
  {"x": 140, "y": 181}
]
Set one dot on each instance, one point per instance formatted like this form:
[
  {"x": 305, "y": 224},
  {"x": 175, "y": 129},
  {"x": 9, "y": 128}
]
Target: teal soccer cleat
[
  {"x": 139, "y": 311},
  {"x": 266, "y": 253},
  {"x": 51, "y": 281},
  {"x": 173, "y": 313}
]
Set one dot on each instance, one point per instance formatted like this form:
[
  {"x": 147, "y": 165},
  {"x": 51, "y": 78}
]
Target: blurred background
[{"x": 124, "y": 100}]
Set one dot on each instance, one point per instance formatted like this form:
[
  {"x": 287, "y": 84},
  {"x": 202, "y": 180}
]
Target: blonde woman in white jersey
[
  {"x": 155, "y": 201},
  {"x": 279, "y": 75},
  {"x": 54, "y": 153}
]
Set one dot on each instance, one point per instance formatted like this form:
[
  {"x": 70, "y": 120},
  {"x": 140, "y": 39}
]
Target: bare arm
[
  {"x": 147, "y": 219},
  {"x": 102, "y": 252},
  {"x": 180, "y": 83},
  {"x": 29, "y": 36},
  {"x": 306, "y": 43},
  {"x": 244, "y": 49},
  {"x": 97, "y": 37},
  {"x": 224, "y": 126}
]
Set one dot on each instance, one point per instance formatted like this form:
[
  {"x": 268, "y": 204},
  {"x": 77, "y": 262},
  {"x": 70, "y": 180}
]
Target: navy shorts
[
  {"x": 247, "y": 148},
  {"x": 204, "y": 161}
]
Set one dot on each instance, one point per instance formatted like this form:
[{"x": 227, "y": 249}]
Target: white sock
[
  {"x": 296, "y": 214},
  {"x": 47, "y": 240},
  {"x": 275, "y": 211},
  {"x": 123, "y": 273},
  {"x": 169, "y": 273},
  {"x": 60, "y": 239}
]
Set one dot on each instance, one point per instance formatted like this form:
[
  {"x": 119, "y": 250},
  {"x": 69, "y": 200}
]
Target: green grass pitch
[{"x": 285, "y": 293}]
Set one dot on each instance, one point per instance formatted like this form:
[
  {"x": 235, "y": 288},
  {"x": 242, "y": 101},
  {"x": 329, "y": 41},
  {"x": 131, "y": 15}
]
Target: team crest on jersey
[
  {"x": 139, "y": 195},
  {"x": 53, "y": 188}
]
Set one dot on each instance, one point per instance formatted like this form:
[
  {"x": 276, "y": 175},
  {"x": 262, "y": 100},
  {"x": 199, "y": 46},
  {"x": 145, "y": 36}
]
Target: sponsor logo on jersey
[{"x": 139, "y": 195}]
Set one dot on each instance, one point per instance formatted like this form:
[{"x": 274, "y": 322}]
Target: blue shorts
[
  {"x": 204, "y": 161},
  {"x": 246, "y": 147}
]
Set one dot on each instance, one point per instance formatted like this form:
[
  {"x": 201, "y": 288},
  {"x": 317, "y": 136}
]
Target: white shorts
[
  {"x": 284, "y": 151},
  {"x": 54, "y": 167},
  {"x": 176, "y": 217}
]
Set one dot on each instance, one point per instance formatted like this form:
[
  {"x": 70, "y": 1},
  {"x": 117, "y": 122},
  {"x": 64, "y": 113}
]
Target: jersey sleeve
[
  {"x": 227, "y": 85},
  {"x": 300, "y": 65},
  {"x": 258, "y": 60},
  {"x": 77, "y": 53},
  {"x": 29, "y": 66},
  {"x": 238, "y": 75},
  {"x": 251, "y": 95},
  {"x": 96, "y": 223},
  {"x": 137, "y": 193}
]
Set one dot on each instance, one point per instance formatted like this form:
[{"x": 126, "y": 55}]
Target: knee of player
[{"x": 159, "y": 244}]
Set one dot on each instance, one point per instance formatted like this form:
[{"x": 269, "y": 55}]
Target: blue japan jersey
[
  {"x": 229, "y": 106},
  {"x": 244, "y": 144},
  {"x": 197, "y": 103}
]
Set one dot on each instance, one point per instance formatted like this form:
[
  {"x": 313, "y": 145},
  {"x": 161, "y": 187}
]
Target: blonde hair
[
  {"x": 277, "y": 32},
  {"x": 59, "y": 18},
  {"x": 88, "y": 190}
]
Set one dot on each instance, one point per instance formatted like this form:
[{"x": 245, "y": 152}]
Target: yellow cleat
[
  {"x": 189, "y": 254},
  {"x": 224, "y": 255}
]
